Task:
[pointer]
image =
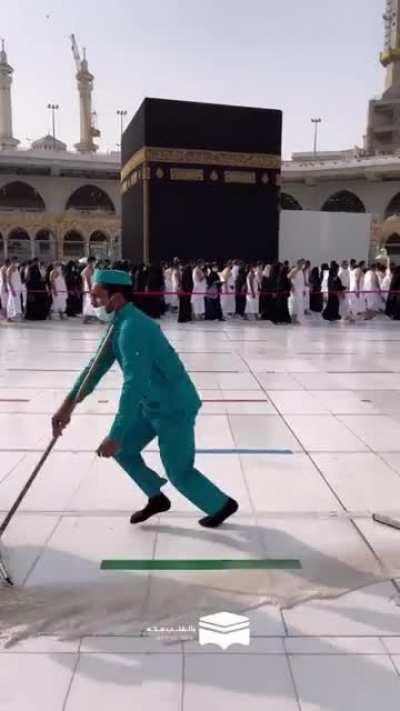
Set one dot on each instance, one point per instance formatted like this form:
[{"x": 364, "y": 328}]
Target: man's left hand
[{"x": 108, "y": 448}]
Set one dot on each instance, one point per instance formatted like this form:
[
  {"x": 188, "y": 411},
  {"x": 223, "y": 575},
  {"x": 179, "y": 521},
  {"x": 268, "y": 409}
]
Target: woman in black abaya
[
  {"x": 335, "y": 289},
  {"x": 185, "y": 306},
  {"x": 316, "y": 298},
  {"x": 74, "y": 286},
  {"x": 153, "y": 304},
  {"x": 38, "y": 299},
  {"x": 140, "y": 285},
  {"x": 284, "y": 286},
  {"x": 212, "y": 299},
  {"x": 240, "y": 292}
]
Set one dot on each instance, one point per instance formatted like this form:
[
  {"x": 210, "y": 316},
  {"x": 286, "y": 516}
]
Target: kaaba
[{"x": 200, "y": 180}]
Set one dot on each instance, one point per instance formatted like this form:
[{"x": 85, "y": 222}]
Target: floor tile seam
[
  {"x": 282, "y": 638},
  {"x": 279, "y": 414},
  {"x": 338, "y": 654},
  {"x": 379, "y": 560},
  {"x": 335, "y": 637},
  {"x": 200, "y": 450},
  {"x": 330, "y": 389},
  {"x": 383, "y": 640},
  {"x": 327, "y": 483},
  {"x": 366, "y": 444},
  {"x": 246, "y": 653},
  {"x": 112, "y": 372},
  {"x": 348, "y": 428},
  {"x": 43, "y": 549},
  {"x": 64, "y": 388},
  {"x": 244, "y": 479},
  {"x": 295, "y": 688},
  {"x": 387, "y": 464},
  {"x": 119, "y": 652},
  {"x": 183, "y": 680},
  {"x": 266, "y": 653},
  {"x": 331, "y": 413},
  {"x": 39, "y": 653},
  {"x": 85, "y": 477},
  {"x": 150, "y": 574},
  {"x": 283, "y": 621},
  {"x": 71, "y": 681},
  {"x": 259, "y": 535},
  {"x": 9, "y": 473},
  {"x": 91, "y": 353},
  {"x": 266, "y": 513},
  {"x": 321, "y": 414},
  {"x": 323, "y": 638},
  {"x": 395, "y": 667},
  {"x": 200, "y": 414},
  {"x": 365, "y": 415}
]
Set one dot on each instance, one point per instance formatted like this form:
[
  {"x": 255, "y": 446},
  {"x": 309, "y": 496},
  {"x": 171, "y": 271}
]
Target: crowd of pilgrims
[{"x": 280, "y": 293}]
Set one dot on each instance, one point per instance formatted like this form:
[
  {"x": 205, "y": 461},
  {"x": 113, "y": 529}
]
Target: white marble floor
[{"x": 301, "y": 425}]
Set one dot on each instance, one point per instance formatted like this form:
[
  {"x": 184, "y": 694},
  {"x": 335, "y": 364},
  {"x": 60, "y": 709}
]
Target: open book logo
[{"x": 224, "y": 629}]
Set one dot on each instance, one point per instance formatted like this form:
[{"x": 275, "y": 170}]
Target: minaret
[
  {"x": 6, "y": 134},
  {"x": 384, "y": 114},
  {"x": 85, "y": 87},
  {"x": 390, "y": 57}
]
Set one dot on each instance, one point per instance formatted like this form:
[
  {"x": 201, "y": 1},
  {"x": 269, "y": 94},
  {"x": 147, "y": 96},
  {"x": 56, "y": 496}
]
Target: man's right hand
[{"x": 61, "y": 419}]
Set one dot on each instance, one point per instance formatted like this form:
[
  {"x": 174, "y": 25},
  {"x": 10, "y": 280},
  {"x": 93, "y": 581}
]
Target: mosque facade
[
  {"x": 362, "y": 179},
  {"x": 55, "y": 202}
]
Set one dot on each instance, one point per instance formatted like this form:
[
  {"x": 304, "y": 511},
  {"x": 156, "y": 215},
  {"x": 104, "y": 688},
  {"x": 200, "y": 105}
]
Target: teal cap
[{"x": 112, "y": 276}]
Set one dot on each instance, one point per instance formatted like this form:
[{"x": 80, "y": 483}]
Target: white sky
[{"x": 307, "y": 57}]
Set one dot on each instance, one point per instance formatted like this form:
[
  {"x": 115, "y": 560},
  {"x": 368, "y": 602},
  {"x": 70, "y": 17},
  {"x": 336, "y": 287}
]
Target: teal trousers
[{"x": 177, "y": 452}]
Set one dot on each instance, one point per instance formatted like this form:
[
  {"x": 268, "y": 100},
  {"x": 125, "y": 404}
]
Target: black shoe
[
  {"x": 216, "y": 519},
  {"x": 155, "y": 505}
]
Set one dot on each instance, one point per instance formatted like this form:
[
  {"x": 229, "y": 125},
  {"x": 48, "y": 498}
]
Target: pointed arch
[
  {"x": 343, "y": 201},
  {"x": 393, "y": 207},
  {"x": 19, "y": 195},
  {"x": 45, "y": 245},
  {"x": 19, "y": 244},
  {"x": 89, "y": 198},
  {"x": 73, "y": 245},
  {"x": 288, "y": 202},
  {"x": 99, "y": 244}
]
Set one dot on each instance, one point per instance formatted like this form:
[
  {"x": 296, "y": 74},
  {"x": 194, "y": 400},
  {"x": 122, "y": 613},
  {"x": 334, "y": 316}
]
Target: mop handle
[{"x": 89, "y": 374}]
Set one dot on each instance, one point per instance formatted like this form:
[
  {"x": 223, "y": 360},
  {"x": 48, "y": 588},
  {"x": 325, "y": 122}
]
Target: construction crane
[
  {"x": 75, "y": 52},
  {"x": 85, "y": 86}
]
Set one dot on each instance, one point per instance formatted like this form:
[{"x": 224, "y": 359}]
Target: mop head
[{"x": 4, "y": 574}]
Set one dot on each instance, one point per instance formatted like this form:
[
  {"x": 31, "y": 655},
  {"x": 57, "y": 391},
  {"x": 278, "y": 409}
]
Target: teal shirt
[{"x": 155, "y": 381}]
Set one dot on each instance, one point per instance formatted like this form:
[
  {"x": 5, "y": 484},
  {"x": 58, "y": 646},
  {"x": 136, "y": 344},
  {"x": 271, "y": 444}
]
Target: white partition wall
[{"x": 322, "y": 236}]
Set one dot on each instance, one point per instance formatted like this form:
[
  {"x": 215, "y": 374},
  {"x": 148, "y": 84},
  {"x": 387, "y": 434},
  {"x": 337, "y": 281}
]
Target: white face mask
[{"x": 103, "y": 315}]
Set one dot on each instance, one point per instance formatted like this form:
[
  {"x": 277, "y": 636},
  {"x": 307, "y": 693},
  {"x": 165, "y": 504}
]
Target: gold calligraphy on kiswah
[{"x": 206, "y": 158}]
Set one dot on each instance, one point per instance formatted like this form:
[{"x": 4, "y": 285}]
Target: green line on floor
[{"x": 236, "y": 564}]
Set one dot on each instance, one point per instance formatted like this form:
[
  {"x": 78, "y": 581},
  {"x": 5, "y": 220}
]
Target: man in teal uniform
[{"x": 158, "y": 399}]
